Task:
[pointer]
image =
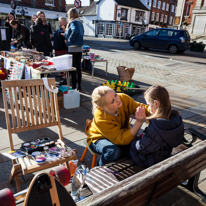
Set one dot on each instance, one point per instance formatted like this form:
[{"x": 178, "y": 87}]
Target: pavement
[{"x": 184, "y": 81}]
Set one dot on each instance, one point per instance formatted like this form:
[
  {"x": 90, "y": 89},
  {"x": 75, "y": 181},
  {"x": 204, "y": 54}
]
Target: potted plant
[
  {"x": 165, "y": 24},
  {"x": 197, "y": 46},
  {"x": 152, "y": 22},
  {"x": 157, "y": 22},
  {"x": 161, "y": 23}
]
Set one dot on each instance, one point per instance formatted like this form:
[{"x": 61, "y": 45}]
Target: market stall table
[{"x": 98, "y": 60}]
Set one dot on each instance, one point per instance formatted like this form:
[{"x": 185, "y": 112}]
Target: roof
[
  {"x": 130, "y": 3},
  {"x": 85, "y": 10},
  {"x": 91, "y": 10}
]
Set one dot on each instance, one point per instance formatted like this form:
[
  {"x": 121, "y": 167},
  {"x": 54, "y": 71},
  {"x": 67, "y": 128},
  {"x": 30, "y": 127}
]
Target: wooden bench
[{"x": 139, "y": 186}]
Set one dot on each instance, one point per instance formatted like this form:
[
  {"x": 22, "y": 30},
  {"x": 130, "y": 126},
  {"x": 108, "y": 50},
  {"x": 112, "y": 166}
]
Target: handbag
[{"x": 125, "y": 74}]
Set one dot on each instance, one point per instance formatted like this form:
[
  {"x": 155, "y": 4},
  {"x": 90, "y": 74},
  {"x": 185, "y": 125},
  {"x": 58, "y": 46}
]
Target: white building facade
[{"x": 115, "y": 19}]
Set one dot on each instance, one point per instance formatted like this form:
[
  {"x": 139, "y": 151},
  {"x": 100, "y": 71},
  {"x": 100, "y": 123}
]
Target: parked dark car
[{"x": 164, "y": 39}]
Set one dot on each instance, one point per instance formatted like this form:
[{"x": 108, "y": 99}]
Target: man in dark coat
[{"x": 40, "y": 38}]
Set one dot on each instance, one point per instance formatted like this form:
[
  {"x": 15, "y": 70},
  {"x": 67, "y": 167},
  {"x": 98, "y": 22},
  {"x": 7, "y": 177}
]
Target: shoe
[{"x": 64, "y": 82}]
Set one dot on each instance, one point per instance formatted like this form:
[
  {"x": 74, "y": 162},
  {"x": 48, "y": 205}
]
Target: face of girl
[
  {"x": 153, "y": 105},
  {"x": 11, "y": 17},
  {"x": 34, "y": 18},
  {"x": 113, "y": 101},
  {"x": 42, "y": 16}
]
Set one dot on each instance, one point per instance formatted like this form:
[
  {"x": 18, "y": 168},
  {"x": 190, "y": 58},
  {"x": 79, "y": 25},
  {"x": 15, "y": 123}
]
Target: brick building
[
  {"x": 26, "y": 8},
  {"x": 162, "y": 13}
]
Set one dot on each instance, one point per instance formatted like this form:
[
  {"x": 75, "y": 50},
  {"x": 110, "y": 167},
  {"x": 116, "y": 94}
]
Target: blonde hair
[
  {"x": 98, "y": 97},
  {"x": 161, "y": 95},
  {"x": 72, "y": 14},
  {"x": 45, "y": 22},
  {"x": 32, "y": 18}
]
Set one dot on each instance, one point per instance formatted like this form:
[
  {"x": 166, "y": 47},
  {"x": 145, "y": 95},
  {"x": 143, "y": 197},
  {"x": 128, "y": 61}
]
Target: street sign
[
  {"x": 13, "y": 4},
  {"x": 77, "y": 3}
]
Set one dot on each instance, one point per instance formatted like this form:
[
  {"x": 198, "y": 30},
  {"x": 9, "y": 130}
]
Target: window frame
[
  {"x": 159, "y": 5},
  {"x": 163, "y": 5},
  {"x": 48, "y": 4},
  {"x": 126, "y": 10},
  {"x": 154, "y": 3},
  {"x": 153, "y": 16},
  {"x": 152, "y": 31},
  {"x": 167, "y": 7},
  {"x": 162, "y": 18}
]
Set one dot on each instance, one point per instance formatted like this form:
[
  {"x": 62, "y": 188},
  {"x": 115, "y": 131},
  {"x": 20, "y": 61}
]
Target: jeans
[{"x": 109, "y": 152}]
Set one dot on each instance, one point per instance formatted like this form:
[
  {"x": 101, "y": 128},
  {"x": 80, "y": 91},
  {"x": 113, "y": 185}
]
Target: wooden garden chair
[{"x": 30, "y": 106}]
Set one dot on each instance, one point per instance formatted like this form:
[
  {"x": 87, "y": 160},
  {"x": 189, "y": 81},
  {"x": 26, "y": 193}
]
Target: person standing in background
[
  {"x": 7, "y": 24},
  {"x": 59, "y": 40},
  {"x": 74, "y": 39},
  {"x": 22, "y": 34},
  {"x": 33, "y": 19},
  {"x": 46, "y": 24},
  {"x": 40, "y": 38}
]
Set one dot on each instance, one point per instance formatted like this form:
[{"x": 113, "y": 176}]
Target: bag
[{"x": 125, "y": 74}]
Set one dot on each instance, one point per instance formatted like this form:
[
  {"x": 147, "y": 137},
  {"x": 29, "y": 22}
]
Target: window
[
  {"x": 139, "y": 16},
  {"x": 100, "y": 29},
  {"x": 124, "y": 14},
  {"x": 164, "y": 32},
  {"x": 163, "y": 6},
  {"x": 153, "y": 16},
  {"x": 159, "y": 5},
  {"x": 172, "y": 10},
  {"x": 161, "y": 17},
  {"x": 165, "y": 20},
  {"x": 136, "y": 30},
  {"x": 167, "y": 7},
  {"x": 49, "y": 2},
  {"x": 152, "y": 32},
  {"x": 188, "y": 10},
  {"x": 154, "y": 3},
  {"x": 170, "y": 20},
  {"x": 157, "y": 17}
]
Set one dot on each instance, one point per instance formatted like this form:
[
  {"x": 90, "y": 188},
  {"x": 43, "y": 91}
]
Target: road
[{"x": 123, "y": 45}]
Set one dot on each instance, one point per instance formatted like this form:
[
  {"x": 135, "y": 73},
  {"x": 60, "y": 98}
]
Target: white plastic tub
[{"x": 71, "y": 99}]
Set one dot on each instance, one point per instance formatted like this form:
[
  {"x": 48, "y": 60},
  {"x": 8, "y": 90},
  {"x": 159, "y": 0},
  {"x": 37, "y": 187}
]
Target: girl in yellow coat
[{"x": 110, "y": 132}]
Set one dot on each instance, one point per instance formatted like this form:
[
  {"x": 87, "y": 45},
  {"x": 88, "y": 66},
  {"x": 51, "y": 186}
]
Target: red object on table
[{"x": 2, "y": 74}]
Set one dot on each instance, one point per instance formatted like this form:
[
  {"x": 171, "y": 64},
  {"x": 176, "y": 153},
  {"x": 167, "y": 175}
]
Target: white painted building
[{"x": 115, "y": 18}]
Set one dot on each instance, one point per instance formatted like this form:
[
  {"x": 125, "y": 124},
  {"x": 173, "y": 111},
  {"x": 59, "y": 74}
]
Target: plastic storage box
[{"x": 71, "y": 99}]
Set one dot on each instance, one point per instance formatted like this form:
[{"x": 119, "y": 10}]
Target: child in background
[{"x": 165, "y": 130}]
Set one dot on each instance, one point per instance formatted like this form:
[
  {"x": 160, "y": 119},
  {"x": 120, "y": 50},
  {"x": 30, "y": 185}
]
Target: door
[
  {"x": 100, "y": 29},
  {"x": 148, "y": 38},
  {"x": 109, "y": 30},
  {"x": 163, "y": 39},
  {"x": 199, "y": 25}
]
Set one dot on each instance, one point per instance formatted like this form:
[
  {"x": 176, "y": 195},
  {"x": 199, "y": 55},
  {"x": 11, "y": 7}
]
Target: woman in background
[
  {"x": 40, "y": 38},
  {"x": 45, "y": 23},
  {"x": 22, "y": 34},
  {"x": 74, "y": 38},
  {"x": 7, "y": 24},
  {"x": 33, "y": 19}
]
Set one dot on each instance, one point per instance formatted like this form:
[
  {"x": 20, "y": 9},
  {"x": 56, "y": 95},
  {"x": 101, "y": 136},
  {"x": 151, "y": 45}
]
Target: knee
[{"x": 114, "y": 152}]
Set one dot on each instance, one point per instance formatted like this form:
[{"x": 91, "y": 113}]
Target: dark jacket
[
  {"x": 22, "y": 34},
  {"x": 157, "y": 141},
  {"x": 48, "y": 27},
  {"x": 41, "y": 39},
  {"x": 74, "y": 34},
  {"x": 59, "y": 43},
  {"x": 6, "y": 24}
]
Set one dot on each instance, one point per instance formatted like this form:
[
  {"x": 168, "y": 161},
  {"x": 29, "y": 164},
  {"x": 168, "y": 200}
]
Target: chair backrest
[{"x": 29, "y": 105}]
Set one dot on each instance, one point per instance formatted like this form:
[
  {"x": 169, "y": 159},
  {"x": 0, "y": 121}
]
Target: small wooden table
[
  {"x": 46, "y": 72},
  {"x": 95, "y": 60}
]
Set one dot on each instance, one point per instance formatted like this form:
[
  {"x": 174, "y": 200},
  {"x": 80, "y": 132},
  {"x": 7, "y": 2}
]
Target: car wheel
[
  {"x": 173, "y": 49},
  {"x": 181, "y": 51},
  {"x": 136, "y": 45}
]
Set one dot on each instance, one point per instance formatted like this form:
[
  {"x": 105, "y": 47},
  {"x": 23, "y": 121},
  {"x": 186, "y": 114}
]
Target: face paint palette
[{"x": 37, "y": 145}]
